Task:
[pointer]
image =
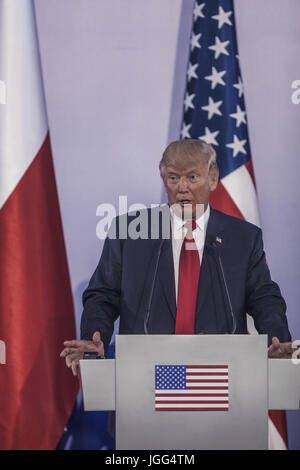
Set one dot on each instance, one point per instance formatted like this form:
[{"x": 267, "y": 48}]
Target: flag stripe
[
  {"x": 22, "y": 132},
  {"x": 209, "y": 387},
  {"x": 194, "y": 408},
  {"x": 246, "y": 199},
  {"x": 207, "y": 374},
  {"x": 202, "y": 381},
  {"x": 222, "y": 201},
  {"x": 204, "y": 367},
  {"x": 249, "y": 167}
]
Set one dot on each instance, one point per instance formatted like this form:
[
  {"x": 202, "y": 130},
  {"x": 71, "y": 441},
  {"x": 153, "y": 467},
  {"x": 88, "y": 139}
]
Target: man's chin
[{"x": 188, "y": 211}]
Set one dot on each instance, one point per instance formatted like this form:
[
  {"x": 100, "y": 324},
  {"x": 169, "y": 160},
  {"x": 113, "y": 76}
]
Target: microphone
[
  {"x": 214, "y": 247},
  {"x": 147, "y": 316}
]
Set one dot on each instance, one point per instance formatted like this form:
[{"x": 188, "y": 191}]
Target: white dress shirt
[{"x": 178, "y": 234}]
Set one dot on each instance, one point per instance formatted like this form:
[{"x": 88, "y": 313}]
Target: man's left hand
[{"x": 279, "y": 350}]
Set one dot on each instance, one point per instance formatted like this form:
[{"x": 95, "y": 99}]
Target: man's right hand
[{"x": 75, "y": 348}]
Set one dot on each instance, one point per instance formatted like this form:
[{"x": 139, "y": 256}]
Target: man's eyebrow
[{"x": 194, "y": 170}]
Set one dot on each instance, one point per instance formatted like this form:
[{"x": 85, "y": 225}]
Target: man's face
[{"x": 189, "y": 186}]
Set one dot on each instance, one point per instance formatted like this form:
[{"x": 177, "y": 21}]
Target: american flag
[
  {"x": 191, "y": 387},
  {"x": 214, "y": 111},
  {"x": 214, "y": 107}
]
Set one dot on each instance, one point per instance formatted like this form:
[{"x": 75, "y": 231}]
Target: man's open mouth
[{"x": 185, "y": 201}]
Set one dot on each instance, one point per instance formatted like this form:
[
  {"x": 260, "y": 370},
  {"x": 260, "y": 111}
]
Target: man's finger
[
  {"x": 65, "y": 352},
  {"x": 68, "y": 361},
  {"x": 275, "y": 342},
  {"x": 275, "y": 346},
  {"x": 73, "y": 357},
  {"x": 97, "y": 337},
  {"x": 75, "y": 365},
  {"x": 290, "y": 347},
  {"x": 74, "y": 343},
  {"x": 287, "y": 349}
]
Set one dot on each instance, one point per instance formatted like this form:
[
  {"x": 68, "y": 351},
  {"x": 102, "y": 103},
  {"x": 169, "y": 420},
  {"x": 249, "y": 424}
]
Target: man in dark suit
[{"x": 200, "y": 277}]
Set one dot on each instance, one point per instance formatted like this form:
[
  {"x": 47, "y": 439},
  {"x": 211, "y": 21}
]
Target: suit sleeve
[
  {"x": 101, "y": 299},
  {"x": 264, "y": 301}
]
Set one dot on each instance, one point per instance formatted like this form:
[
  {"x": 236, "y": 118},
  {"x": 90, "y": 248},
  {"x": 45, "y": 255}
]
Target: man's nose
[{"x": 182, "y": 185}]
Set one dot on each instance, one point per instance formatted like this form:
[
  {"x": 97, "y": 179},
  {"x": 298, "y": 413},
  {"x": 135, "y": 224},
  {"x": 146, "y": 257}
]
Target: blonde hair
[{"x": 189, "y": 151}]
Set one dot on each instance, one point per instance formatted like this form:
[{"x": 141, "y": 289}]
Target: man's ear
[
  {"x": 213, "y": 180},
  {"x": 162, "y": 175}
]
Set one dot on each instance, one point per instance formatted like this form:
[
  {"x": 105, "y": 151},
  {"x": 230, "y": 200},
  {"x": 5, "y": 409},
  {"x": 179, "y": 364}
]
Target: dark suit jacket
[{"x": 124, "y": 278}]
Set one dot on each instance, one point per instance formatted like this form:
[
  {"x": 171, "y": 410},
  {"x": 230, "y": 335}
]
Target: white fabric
[
  {"x": 241, "y": 189},
  {"x": 23, "y": 122}
]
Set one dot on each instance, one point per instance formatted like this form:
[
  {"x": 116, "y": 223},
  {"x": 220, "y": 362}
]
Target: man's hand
[
  {"x": 279, "y": 350},
  {"x": 74, "y": 350}
]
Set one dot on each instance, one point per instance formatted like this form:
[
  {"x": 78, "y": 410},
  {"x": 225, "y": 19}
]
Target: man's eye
[
  {"x": 193, "y": 177},
  {"x": 172, "y": 179}
]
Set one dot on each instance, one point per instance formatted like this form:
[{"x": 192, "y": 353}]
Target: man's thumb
[{"x": 96, "y": 337}]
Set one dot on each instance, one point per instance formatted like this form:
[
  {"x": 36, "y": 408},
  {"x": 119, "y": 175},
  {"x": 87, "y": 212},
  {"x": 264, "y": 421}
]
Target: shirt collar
[{"x": 201, "y": 222}]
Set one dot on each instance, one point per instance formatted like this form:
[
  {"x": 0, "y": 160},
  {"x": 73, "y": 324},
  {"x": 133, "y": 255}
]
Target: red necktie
[{"x": 189, "y": 270}]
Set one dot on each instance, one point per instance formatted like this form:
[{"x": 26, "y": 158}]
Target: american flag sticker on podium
[{"x": 191, "y": 387}]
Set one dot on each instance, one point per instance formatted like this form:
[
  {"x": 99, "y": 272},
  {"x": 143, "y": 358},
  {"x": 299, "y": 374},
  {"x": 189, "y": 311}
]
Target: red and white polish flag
[{"x": 36, "y": 307}]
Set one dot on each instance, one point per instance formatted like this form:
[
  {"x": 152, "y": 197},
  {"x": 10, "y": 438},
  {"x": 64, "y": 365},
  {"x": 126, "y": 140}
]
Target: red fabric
[
  {"x": 36, "y": 313},
  {"x": 189, "y": 270},
  {"x": 249, "y": 167},
  {"x": 222, "y": 201}
]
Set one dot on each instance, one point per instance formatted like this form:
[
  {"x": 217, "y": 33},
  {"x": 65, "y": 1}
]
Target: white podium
[{"x": 191, "y": 391}]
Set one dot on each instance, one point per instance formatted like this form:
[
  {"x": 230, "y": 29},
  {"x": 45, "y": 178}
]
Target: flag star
[
  {"x": 216, "y": 77},
  {"x": 219, "y": 47},
  {"x": 185, "y": 131},
  {"x": 212, "y": 107},
  {"x": 188, "y": 101},
  {"x": 240, "y": 116},
  {"x": 240, "y": 87},
  {"x": 198, "y": 13},
  {"x": 191, "y": 73},
  {"x": 210, "y": 137},
  {"x": 195, "y": 40},
  {"x": 237, "y": 145},
  {"x": 223, "y": 17}
]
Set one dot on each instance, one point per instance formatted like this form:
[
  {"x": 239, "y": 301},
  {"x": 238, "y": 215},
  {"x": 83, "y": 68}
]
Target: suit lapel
[
  {"x": 205, "y": 287},
  {"x": 166, "y": 275}
]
